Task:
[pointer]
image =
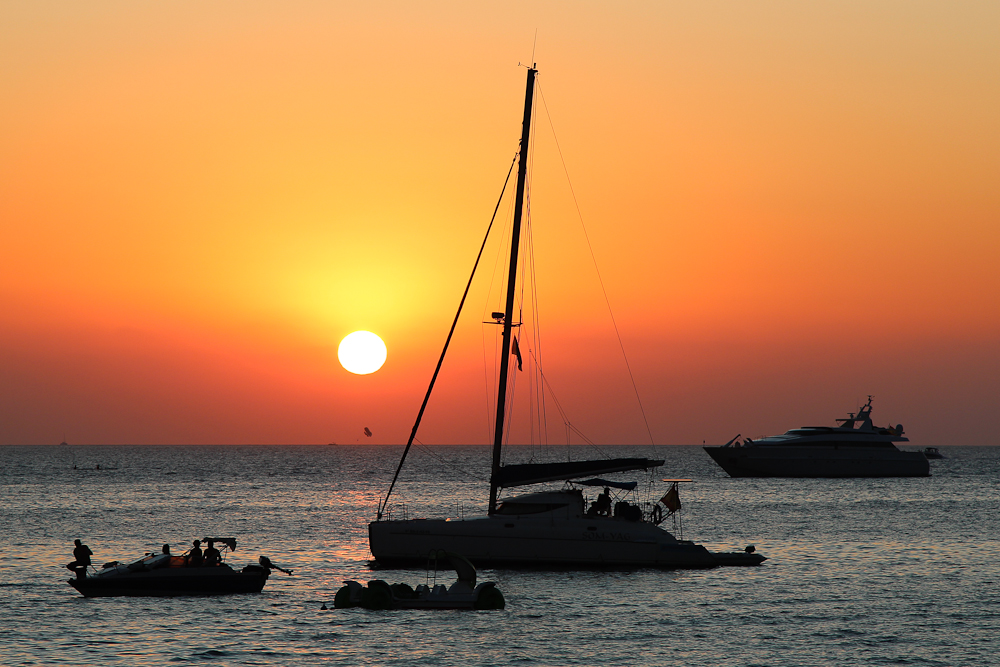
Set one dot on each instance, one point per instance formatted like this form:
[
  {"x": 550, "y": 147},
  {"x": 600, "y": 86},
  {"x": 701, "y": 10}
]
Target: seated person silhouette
[
  {"x": 194, "y": 557},
  {"x": 212, "y": 555},
  {"x": 602, "y": 505}
]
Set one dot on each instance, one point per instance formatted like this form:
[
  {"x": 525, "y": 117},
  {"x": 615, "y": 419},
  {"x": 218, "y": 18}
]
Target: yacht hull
[
  {"x": 819, "y": 461},
  {"x": 523, "y": 541}
]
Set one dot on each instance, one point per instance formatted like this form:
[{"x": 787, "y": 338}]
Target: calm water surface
[{"x": 861, "y": 572}]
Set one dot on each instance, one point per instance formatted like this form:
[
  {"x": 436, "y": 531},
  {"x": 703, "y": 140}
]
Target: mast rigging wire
[
  {"x": 491, "y": 387},
  {"x": 427, "y": 450},
  {"x": 596, "y": 268},
  {"x": 451, "y": 332}
]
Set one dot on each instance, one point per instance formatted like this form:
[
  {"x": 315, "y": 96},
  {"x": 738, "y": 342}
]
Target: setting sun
[{"x": 361, "y": 352}]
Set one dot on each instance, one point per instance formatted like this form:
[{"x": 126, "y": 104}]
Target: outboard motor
[{"x": 266, "y": 563}]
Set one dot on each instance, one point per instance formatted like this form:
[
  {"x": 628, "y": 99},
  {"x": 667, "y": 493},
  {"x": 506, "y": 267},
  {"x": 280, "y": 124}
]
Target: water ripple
[{"x": 875, "y": 572}]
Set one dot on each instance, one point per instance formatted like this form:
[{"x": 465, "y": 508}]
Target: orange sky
[{"x": 793, "y": 205}]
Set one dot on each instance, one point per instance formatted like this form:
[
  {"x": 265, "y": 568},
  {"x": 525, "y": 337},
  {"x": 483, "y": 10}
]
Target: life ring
[{"x": 657, "y": 514}]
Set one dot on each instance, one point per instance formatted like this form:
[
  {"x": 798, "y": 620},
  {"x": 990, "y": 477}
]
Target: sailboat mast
[{"x": 508, "y": 320}]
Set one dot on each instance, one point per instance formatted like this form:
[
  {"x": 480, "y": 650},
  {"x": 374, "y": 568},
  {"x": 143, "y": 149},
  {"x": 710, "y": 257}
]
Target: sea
[{"x": 859, "y": 571}]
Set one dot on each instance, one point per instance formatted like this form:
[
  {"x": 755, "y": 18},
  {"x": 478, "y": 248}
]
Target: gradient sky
[{"x": 793, "y": 205}]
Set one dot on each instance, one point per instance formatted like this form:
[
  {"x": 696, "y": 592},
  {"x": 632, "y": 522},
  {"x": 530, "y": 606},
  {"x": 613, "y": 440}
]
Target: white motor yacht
[{"x": 856, "y": 448}]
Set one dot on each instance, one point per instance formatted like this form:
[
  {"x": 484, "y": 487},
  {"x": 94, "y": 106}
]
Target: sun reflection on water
[{"x": 855, "y": 566}]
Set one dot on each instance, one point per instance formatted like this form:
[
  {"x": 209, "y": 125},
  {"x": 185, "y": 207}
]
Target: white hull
[
  {"x": 547, "y": 540},
  {"x": 819, "y": 461}
]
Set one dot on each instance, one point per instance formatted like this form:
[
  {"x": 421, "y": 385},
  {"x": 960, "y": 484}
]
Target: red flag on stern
[{"x": 671, "y": 500}]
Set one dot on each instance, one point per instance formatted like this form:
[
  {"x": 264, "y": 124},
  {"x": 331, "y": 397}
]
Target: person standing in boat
[
  {"x": 195, "y": 558},
  {"x": 212, "y": 555},
  {"x": 81, "y": 554}
]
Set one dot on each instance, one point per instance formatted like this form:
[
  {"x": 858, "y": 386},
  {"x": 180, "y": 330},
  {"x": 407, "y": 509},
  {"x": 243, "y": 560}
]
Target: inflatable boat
[{"x": 165, "y": 575}]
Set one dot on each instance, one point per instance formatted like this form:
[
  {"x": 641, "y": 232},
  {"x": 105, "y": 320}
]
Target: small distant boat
[
  {"x": 164, "y": 575},
  {"x": 463, "y": 594},
  {"x": 933, "y": 453},
  {"x": 856, "y": 448}
]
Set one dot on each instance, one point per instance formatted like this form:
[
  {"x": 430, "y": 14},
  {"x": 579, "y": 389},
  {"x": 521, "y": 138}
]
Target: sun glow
[{"x": 361, "y": 352}]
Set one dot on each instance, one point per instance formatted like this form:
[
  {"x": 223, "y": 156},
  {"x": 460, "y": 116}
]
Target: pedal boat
[{"x": 463, "y": 594}]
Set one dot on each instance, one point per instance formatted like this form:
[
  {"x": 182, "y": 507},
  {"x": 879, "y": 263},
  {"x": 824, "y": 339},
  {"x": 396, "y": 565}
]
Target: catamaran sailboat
[{"x": 550, "y": 528}]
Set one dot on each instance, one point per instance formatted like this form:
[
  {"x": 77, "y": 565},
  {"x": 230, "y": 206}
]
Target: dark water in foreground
[{"x": 861, "y": 572}]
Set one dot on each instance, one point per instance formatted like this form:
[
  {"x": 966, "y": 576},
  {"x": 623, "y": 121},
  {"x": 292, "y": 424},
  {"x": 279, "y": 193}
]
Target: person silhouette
[
  {"x": 195, "y": 558},
  {"x": 212, "y": 555},
  {"x": 603, "y": 503},
  {"x": 81, "y": 555}
]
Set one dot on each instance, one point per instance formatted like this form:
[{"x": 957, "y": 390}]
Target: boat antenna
[
  {"x": 515, "y": 235},
  {"x": 437, "y": 369}
]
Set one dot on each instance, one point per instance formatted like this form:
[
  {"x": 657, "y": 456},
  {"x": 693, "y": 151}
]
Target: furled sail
[
  {"x": 599, "y": 481},
  {"x": 535, "y": 473}
]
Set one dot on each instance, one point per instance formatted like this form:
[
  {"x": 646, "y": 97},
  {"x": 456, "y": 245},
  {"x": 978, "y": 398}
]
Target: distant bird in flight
[{"x": 368, "y": 432}]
